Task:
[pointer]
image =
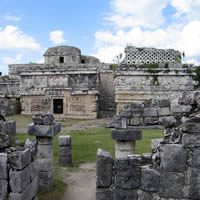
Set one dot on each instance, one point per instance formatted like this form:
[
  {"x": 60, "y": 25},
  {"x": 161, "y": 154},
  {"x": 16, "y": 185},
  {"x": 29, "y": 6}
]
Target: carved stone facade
[{"x": 67, "y": 85}]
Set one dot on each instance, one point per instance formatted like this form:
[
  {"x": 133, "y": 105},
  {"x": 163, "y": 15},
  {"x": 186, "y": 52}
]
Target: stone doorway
[{"x": 58, "y": 106}]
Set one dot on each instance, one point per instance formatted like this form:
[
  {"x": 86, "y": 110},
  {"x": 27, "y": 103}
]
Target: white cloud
[
  {"x": 8, "y": 60},
  {"x": 57, "y": 37},
  {"x": 12, "y": 18},
  {"x": 129, "y": 13},
  {"x": 13, "y": 38}
]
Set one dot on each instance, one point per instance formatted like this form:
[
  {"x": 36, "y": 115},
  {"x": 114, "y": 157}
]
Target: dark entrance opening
[
  {"x": 61, "y": 59},
  {"x": 58, "y": 106}
]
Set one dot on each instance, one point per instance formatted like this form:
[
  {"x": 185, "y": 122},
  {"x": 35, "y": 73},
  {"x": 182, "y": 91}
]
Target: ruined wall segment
[{"x": 136, "y": 55}]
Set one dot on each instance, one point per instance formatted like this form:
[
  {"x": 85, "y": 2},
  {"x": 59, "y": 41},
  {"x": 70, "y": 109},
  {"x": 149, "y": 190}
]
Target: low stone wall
[
  {"x": 153, "y": 113},
  {"x": 18, "y": 177},
  {"x": 172, "y": 172},
  {"x": 9, "y": 106}
]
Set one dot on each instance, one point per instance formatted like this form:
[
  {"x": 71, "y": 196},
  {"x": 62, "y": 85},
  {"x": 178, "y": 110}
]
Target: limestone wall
[
  {"x": 139, "y": 83},
  {"x": 170, "y": 172},
  {"x": 18, "y": 177},
  {"x": 106, "y": 91}
]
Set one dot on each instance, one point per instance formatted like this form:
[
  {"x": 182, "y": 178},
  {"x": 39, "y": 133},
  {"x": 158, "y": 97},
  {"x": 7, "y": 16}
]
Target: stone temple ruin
[{"x": 70, "y": 85}]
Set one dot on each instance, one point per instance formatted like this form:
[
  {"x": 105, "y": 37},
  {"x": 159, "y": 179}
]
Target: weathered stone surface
[
  {"x": 124, "y": 123},
  {"x": 177, "y": 108},
  {"x": 44, "y": 164},
  {"x": 168, "y": 121},
  {"x": 136, "y": 121},
  {"x": 145, "y": 195},
  {"x": 104, "y": 194},
  {"x": 44, "y": 151},
  {"x": 33, "y": 170},
  {"x": 126, "y": 135},
  {"x": 155, "y": 143},
  {"x": 45, "y": 180},
  {"x": 3, "y": 189},
  {"x": 44, "y": 140},
  {"x": 164, "y": 103},
  {"x": 124, "y": 148},
  {"x": 4, "y": 141},
  {"x": 171, "y": 185},
  {"x": 191, "y": 140},
  {"x": 192, "y": 184},
  {"x": 65, "y": 161},
  {"x": 127, "y": 173},
  {"x": 136, "y": 112},
  {"x": 3, "y": 166},
  {"x": 104, "y": 169},
  {"x": 65, "y": 150},
  {"x": 150, "y": 112},
  {"x": 120, "y": 194},
  {"x": 190, "y": 127},
  {"x": 19, "y": 159},
  {"x": 150, "y": 179},
  {"x": 164, "y": 111},
  {"x": 9, "y": 128},
  {"x": 19, "y": 180},
  {"x": 64, "y": 140},
  {"x": 151, "y": 120},
  {"x": 173, "y": 158},
  {"x": 32, "y": 145},
  {"x": 43, "y": 130}
]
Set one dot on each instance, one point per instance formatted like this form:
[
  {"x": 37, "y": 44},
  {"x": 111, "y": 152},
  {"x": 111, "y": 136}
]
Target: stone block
[
  {"x": 44, "y": 140},
  {"x": 44, "y": 164},
  {"x": 164, "y": 111},
  {"x": 124, "y": 123},
  {"x": 65, "y": 161},
  {"x": 45, "y": 181},
  {"x": 178, "y": 108},
  {"x": 126, "y": 135},
  {"x": 64, "y": 140},
  {"x": 171, "y": 185},
  {"x": 168, "y": 121},
  {"x": 155, "y": 143},
  {"x": 151, "y": 120},
  {"x": 44, "y": 151},
  {"x": 33, "y": 170},
  {"x": 104, "y": 169},
  {"x": 191, "y": 140},
  {"x": 104, "y": 194},
  {"x": 19, "y": 180},
  {"x": 136, "y": 112},
  {"x": 9, "y": 128},
  {"x": 4, "y": 141},
  {"x": 124, "y": 148},
  {"x": 137, "y": 121},
  {"x": 191, "y": 128},
  {"x": 150, "y": 112},
  {"x": 32, "y": 145},
  {"x": 196, "y": 158},
  {"x": 120, "y": 194},
  {"x": 48, "y": 119},
  {"x": 164, "y": 103},
  {"x": 19, "y": 159},
  {"x": 3, "y": 189},
  {"x": 64, "y": 151},
  {"x": 192, "y": 183},
  {"x": 173, "y": 158},
  {"x": 128, "y": 173},
  {"x": 150, "y": 179},
  {"x": 145, "y": 195},
  {"x": 3, "y": 166},
  {"x": 43, "y": 130}
]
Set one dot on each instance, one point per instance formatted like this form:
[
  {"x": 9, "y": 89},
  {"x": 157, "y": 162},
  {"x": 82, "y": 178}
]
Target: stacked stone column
[
  {"x": 44, "y": 129},
  {"x": 65, "y": 150},
  {"x": 125, "y": 141}
]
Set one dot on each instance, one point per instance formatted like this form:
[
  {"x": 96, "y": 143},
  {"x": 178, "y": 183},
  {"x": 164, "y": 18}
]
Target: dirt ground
[{"x": 81, "y": 184}]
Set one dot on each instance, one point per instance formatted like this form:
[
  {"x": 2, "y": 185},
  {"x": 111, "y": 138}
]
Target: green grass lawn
[{"x": 84, "y": 149}]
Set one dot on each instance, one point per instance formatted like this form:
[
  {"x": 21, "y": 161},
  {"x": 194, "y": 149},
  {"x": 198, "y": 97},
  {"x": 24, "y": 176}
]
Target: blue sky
[{"x": 98, "y": 27}]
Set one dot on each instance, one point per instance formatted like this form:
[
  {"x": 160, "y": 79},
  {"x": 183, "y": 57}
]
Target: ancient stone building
[
  {"x": 151, "y": 74},
  {"x": 66, "y": 85}
]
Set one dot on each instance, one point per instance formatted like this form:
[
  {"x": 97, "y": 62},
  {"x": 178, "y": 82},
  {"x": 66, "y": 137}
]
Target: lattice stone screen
[{"x": 150, "y": 55}]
